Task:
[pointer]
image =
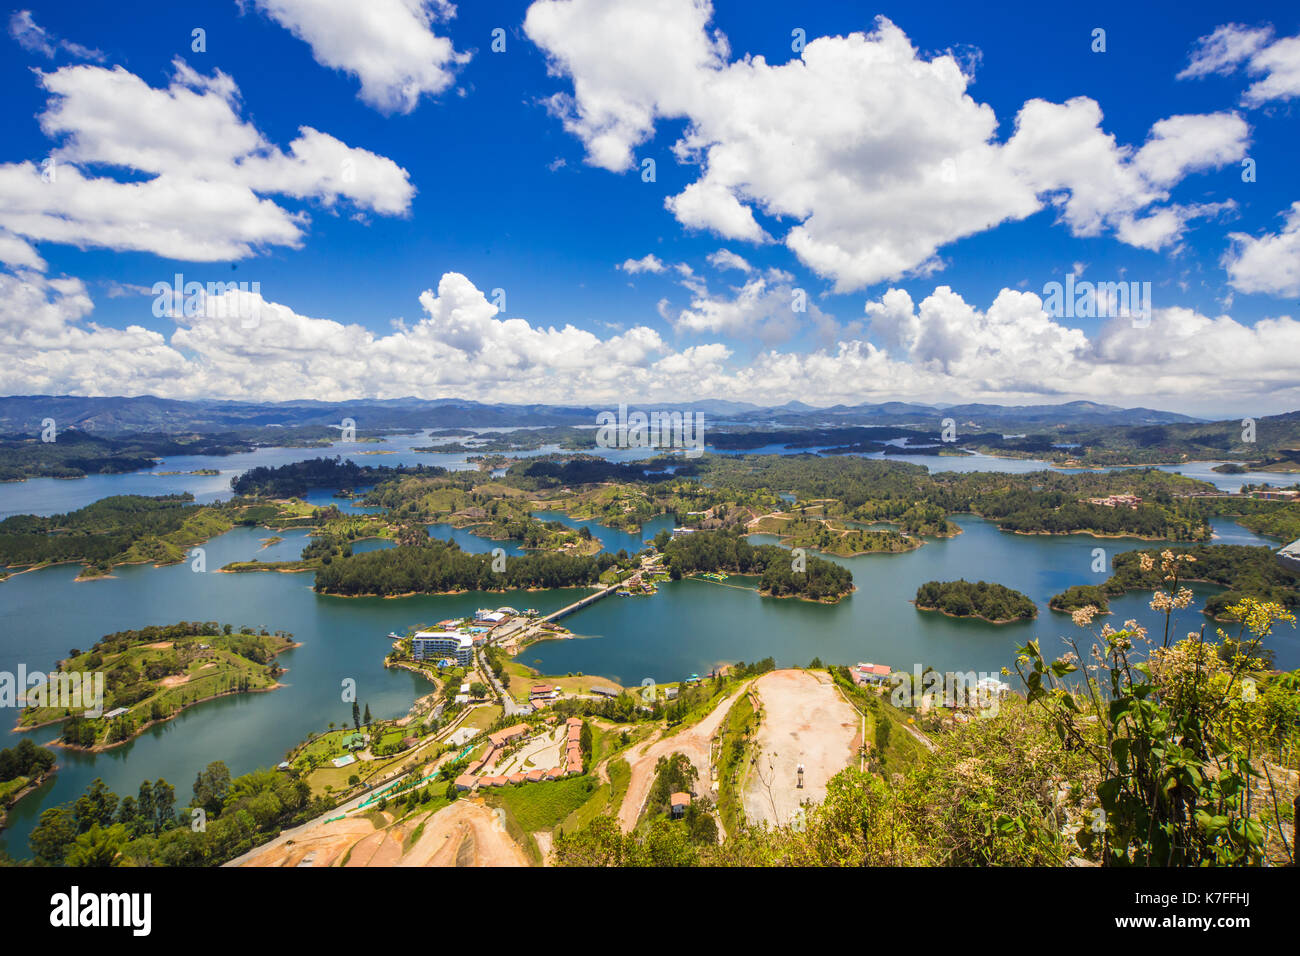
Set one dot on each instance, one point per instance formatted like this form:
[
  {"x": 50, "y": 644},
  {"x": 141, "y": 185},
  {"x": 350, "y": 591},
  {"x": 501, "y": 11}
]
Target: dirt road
[
  {"x": 805, "y": 721},
  {"x": 694, "y": 742}
]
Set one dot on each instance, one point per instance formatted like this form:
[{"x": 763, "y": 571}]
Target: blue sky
[{"x": 478, "y": 173}]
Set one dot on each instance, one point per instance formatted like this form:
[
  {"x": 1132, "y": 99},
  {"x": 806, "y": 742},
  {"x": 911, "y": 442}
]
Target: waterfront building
[{"x": 430, "y": 645}]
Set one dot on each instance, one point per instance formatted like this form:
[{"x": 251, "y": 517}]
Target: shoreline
[
  {"x": 1098, "y": 534},
  {"x": 406, "y": 594},
  {"x": 974, "y": 617},
  {"x": 32, "y": 786},
  {"x": 102, "y": 748},
  {"x": 783, "y": 542},
  {"x": 20, "y": 728}
]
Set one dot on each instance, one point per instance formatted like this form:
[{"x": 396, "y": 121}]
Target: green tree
[
  {"x": 97, "y": 847},
  {"x": 211, "y": 786},
  {"x": 53, "y": 835}
]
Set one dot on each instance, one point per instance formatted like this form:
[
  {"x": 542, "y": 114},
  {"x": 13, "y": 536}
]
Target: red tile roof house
[
  {"x": 869, "y": 673},
  {"x": 518, "y": 777},
  {"x": 679, "y": 803},
  {"x": 503, "y": 737},
  {"x": 466, "y": 781},
  {"x": 536, "y": 775},
  {"x": 555, "y": 773}
]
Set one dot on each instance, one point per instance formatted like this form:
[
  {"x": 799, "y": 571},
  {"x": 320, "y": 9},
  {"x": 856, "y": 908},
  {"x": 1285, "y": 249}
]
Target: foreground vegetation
[
  {"x": 1242, "y": 570},
  {"x": 226, "y": 817},
  {"x": 1153, "y": 756}
]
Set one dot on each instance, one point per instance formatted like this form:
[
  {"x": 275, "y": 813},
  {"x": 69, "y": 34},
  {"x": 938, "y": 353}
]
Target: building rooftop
[
  {"x": 508, "y": 734},
  {"x": 463, "y": 639}
]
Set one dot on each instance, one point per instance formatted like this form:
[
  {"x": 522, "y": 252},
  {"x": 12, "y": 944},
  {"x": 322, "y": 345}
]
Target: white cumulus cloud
[
  {"x": 1232, "y": 46},
  {"x": 877, "y": 153},
  {"x": 1269, "y": 263},
  {"x": 389, "y": 45},
  {"x": 207, "y": 171}
]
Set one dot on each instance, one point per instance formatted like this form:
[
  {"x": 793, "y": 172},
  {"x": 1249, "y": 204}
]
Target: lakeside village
[
  {"x": 465, "y": 723},
  {"x": 490, "y": 722}
]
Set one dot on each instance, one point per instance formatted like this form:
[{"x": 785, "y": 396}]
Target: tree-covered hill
[
  {"x": 994, "y": 603},
  {"x": 724, "y": 551}
]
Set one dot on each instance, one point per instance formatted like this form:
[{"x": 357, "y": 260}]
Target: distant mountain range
[{"x": 25, "y": 413}]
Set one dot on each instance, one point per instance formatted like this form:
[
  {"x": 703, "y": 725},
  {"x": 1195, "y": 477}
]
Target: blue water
[{"x": 687, "y": 628}]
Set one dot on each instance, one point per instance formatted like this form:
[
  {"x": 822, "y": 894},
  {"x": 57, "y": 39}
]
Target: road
[{"x": 509, "y": 705}]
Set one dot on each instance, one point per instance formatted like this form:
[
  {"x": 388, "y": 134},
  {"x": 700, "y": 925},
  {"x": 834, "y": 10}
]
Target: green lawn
[
  {"x": 737, "y": 734},
  {"x": 482, "y": 717},
  {"x": 10, "y": 787},
  {"x": 605, "y": 798},
  {"x": 543, "y": 806}
]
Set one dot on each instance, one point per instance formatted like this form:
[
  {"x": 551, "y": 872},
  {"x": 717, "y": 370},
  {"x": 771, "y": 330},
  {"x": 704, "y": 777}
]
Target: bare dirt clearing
[
  {"x": 467, "y": 833},
  {"x": 805, "y": 721}
]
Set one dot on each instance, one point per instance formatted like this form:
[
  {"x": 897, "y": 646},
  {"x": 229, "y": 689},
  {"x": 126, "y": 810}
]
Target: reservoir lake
[{"x": 687, "y": 628}]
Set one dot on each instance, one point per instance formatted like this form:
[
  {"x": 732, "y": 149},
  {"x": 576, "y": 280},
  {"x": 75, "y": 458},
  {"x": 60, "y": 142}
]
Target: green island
[
  {"x": 713, "y": 551},
  {"x": 152, "y": 674},
  {"x": 1243, "y": 572},
  {"x": 76, "y": 453},
  {"x": 296, "y": 479},
  {"x": 994, "y": 603},
  {"x": 529, "y": 439},
  {"x": 23, "y": 768},
  {"x": 800, "y": 530},
  {"x": 1269, "y": 517},
  {"x": 1080, "y": 596},
  {"x": 134, "y": 529},
  {"x": 441, "y": 567}
]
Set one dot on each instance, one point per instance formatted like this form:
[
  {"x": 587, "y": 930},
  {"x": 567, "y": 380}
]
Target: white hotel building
[{"x": 430, "y": 645}]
